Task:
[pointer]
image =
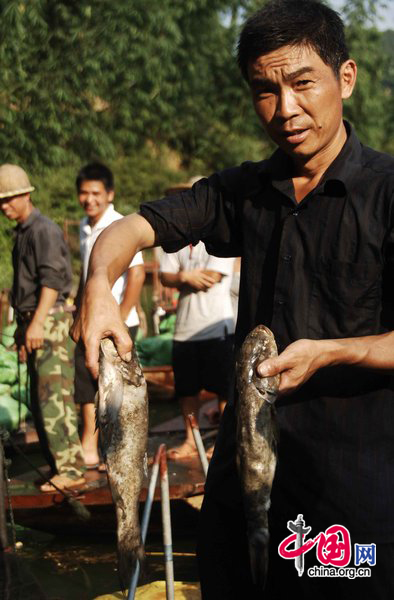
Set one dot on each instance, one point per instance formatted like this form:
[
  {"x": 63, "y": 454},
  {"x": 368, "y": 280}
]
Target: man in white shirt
[
  {"x": 95, "y": 189},
  {"x": 204, "y": 328}
]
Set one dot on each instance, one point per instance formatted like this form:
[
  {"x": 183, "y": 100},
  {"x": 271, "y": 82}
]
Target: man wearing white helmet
[{"x": 41, "y": 285}]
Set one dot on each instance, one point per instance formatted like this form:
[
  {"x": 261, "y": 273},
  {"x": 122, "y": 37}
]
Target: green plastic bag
[
  {"x": 24, "y": 392},
  {"x": 8, "y": 375},
  {"x": 9, "y": 412},
  {"x": 7, "y": 338},
  {"x": 155, "y": 351}
]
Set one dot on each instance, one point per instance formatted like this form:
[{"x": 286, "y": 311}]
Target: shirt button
[
  {"x": 287, "y": 257},
  {"x": 281, "y": 302},
  {"x": 295, "y": 213}
]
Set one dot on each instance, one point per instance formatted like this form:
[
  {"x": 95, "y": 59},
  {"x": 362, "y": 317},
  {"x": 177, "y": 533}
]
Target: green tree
[
  {"x": 47, "y": 108},
  {"x": 95, "y": 79},
  {"x": 368, "y": 108}
]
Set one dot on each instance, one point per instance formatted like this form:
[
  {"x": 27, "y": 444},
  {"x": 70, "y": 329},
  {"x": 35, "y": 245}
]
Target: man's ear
[
  {"x": 111, "y": 196},
  {"x": 347, "y": 77}
]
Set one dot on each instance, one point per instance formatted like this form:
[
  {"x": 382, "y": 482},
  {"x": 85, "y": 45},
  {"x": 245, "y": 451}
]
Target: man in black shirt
[
  {"x": 42, "y": 283},
  {"x": 314, "y": 227}
]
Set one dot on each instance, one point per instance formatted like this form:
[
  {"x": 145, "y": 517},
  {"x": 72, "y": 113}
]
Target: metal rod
[
  {"x": 199, "y": 443},
  {"x": 146, "y": 517},
  {"x": 166, "y": 520}
]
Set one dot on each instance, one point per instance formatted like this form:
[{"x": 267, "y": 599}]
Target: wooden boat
[{"x": 51, "y": 511}]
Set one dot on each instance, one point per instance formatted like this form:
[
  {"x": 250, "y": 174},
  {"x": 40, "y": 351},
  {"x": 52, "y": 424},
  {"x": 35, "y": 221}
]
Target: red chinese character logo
[{"x": 334, "y": 547}]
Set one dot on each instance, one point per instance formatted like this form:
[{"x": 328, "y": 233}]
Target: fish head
[
  {"x": 269, "y": 386},
  {"x": 258, "y": 346},
  {"x": 115, "y": 377},
  {"x": 130, "y": 370}
]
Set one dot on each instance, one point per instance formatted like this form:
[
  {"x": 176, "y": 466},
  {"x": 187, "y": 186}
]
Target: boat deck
[
  {"x": 32, "y": 507},
  {"x": 186, "y": 478}
]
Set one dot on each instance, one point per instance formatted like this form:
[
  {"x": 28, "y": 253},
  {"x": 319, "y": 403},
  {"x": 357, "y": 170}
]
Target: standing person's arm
[
  {"x": 52, "y": 272},
  {"x": 34, "y": 337},
  {"x": 301, "y": 359},
  {"x": 99, "y": 315},
  {"x": 132, "y": 292},
  {"x": 198, "y": 279},
  {"x": 78, "y": 297}
]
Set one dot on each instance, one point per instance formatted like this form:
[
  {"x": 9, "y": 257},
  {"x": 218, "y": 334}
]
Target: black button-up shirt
[
  {"x": 40, "y": 258},
  {"x": 322, "y": 268}
]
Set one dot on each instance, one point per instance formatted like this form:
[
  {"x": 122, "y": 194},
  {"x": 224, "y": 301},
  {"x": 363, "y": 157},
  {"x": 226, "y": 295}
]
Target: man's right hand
[
  {"x": 98, "y": 318},
  {"x": 198, "y": 279}
]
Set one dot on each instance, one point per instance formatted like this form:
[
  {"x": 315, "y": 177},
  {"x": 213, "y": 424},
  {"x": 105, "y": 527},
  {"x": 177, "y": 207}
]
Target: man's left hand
[{"x": 296, "y": 364}]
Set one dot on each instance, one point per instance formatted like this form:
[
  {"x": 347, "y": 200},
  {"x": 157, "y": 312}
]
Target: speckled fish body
[
  {"x": 122, "y": 418},
  {"x": 256, "y": 447}
]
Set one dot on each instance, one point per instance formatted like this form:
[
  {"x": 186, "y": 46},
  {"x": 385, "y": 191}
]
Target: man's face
[
  {"x": 16, "y": 208},
  {"x": 94, "y": 199},
  {"x": 298, "y": 99}
]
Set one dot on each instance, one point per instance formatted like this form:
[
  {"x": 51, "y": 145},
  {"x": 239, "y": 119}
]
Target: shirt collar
[
  {"x": 102, "y": 223},
  {"x": 335, "y": 181},
  {"x": 35, "y": 213}
]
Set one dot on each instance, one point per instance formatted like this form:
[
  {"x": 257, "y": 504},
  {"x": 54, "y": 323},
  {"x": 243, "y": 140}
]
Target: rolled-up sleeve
[
  {"x": 52, "y": 257},
  {"x": 206, "y": 212}
]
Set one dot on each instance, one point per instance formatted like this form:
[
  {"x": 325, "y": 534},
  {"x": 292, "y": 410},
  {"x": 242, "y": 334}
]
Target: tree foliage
[
  {"x": 95, "y": 79},
  {"x": 369, "y": 107},
  {"x": 132, "y": 82},
  {"x": 83, "y": 79}
]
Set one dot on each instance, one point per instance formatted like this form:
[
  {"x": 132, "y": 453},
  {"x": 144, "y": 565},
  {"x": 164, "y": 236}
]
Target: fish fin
[
  {"x": 107, "y": 413},
  {"x": 113, "y": 403},
  {"x": 127, "y": 563},
  {"x": 258, "y": 553}
]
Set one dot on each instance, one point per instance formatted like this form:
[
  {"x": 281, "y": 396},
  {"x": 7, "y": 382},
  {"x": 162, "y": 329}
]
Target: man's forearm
[
  {"x": 117, "y": 245},
  {"x": 47, "y": 300},
  {"x": 197, "y": 279},
  {"x": 34, "y": 336},
  {"x": 301, "y": 359},
  {"x": 174, "y": 280},
  {"x": 99, "y": 314},
  {"x": 375, "y": 351}
]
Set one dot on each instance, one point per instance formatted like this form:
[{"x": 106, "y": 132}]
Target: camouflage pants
[{"x": 51, "y": 370}]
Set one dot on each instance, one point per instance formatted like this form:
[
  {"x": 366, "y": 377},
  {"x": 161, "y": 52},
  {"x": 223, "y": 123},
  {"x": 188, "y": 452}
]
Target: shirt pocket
[{"x": 345, "y": 300}]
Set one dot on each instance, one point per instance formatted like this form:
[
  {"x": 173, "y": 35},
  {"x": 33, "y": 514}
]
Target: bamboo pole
[
  {"x": 166, "y": 520},
  {"x": 199, "y": 443},
  {"x": 146, "y": 516}
]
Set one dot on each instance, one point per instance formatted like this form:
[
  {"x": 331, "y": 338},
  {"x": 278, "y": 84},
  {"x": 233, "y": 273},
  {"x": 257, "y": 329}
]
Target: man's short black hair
[
  {"x": 96, "y": 172},
  {"x": 293, "y": 23}
]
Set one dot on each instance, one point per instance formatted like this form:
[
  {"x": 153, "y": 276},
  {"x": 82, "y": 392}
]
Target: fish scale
[
  {"x": 256, "y": 442},
  {"x": 122, "y": 418}
]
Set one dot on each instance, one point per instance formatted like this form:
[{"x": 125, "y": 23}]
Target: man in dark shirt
[
  {"x": 42, "y": 282},
  {"x": 314, "y": 227}
]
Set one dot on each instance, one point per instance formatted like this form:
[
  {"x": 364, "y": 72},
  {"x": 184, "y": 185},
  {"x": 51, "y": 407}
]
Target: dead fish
[
  {"x": 122, "y": 418},
  {"x": 256, "y": 445}
]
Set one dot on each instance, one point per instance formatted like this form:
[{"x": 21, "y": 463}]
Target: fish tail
[
  {"x": 127, "y": 562},
  {"x": 258, "y": 553}
]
